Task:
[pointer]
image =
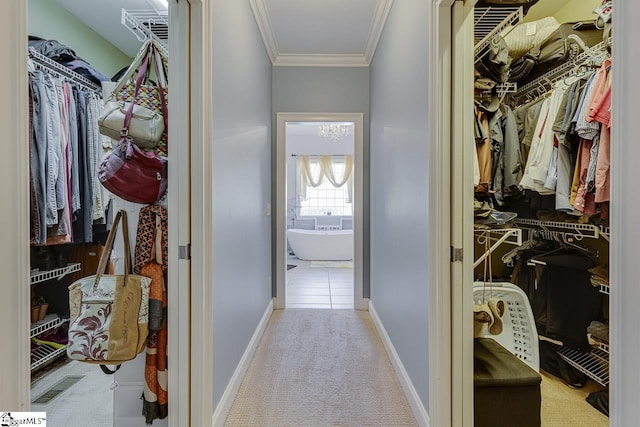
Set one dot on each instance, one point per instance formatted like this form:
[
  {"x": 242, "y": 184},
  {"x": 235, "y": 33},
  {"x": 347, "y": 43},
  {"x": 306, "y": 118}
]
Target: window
[{"x": 326, "y": 199}]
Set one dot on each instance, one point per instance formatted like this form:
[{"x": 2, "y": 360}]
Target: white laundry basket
[{"x": 519, "y": 334}]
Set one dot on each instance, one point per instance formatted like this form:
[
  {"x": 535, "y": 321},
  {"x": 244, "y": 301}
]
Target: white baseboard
[
  {"x": 419, "y": 411},
  {"x": 229, "y": 395}
]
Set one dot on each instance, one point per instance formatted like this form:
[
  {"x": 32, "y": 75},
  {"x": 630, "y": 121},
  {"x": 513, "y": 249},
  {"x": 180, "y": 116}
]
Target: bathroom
[{"x": 320, "y": 241}]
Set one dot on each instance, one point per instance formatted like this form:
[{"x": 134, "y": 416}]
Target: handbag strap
[
  {"x": 152, "y": 54},
  {"x": 162, "y": 80},
  {"x": 106, "y": 253},
  {"x": 141, "y": 74},
  {"x": 108, "y": 371},
  {"x": 137, "y": 61}
]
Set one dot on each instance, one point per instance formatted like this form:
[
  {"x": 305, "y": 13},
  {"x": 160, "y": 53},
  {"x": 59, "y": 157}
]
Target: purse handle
[
  {"x": 144, "y": 50},
  {"x": 106, "y": 253},
  {"x": 152, "y": 53}
]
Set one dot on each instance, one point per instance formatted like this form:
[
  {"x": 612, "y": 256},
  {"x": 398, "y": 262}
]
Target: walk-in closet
[
  {"x": 541, "y": 135},
  {"x": 77, "y": 52}
]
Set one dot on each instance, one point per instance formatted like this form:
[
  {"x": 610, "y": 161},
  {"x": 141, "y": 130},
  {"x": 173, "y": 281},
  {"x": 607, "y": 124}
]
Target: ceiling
[
  {"x": 321, "y": 32},
  {"x": 295, "y": 32}
]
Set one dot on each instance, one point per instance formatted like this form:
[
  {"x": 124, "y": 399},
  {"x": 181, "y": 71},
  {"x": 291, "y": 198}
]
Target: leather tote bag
[{"x": 108, "y": 322}]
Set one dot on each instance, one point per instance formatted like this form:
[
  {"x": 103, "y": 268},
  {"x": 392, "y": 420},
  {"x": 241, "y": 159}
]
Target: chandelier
[{"x": 334, "y": 132}]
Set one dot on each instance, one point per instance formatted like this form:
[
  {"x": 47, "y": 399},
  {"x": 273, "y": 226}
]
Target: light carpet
[
  {"x": 563, "y": 406},
  {"x": 317, "y": 367}
]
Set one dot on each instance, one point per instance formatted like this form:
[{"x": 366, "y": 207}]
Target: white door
[
  {"x": 451, "y": 278},
  {"x": 194, "y": 395}
]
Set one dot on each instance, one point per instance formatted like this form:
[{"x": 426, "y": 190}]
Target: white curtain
[{"x": 313, "y": 174}]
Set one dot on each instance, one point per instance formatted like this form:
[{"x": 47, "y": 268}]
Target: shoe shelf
[
  {"x": 594, "y": 364},
  {"x": 51, "y": 321},
  {"x": 58, "y": 273},
  {"x": 45, "y": 354}
]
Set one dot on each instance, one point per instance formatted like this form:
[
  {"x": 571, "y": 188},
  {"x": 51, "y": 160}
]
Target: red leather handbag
[
  {"x": 134, "y": 175},
  {"x": 128, "y": 172}
]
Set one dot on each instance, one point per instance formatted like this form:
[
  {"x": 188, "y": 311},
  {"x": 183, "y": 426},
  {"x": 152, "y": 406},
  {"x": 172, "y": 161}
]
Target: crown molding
[
  {"x": 377, "y": 25},
  {"x": 261, "y": 15},
  {"x": 278, "y": 59},
  {"x": 284, "y": 60}
]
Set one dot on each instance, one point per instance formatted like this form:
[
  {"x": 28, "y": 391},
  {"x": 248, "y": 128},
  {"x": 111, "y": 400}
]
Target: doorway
[
  {"x": 179, "y": 195},
  {"x": 460, "y": 68},
  {"x": 288, "y": 212}
]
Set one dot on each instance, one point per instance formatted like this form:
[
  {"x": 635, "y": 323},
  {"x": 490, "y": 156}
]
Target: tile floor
[
  {"x": 89, "y": 402},
  {"x": 319, "y": 284}
]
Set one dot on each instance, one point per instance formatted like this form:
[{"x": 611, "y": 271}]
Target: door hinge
[
  {"x": 184, "y": 252},
  {"x": 456, "y": 254}
]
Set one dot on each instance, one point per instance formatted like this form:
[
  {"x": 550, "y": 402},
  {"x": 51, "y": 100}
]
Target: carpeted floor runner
[{"x": 318, "y": 367}]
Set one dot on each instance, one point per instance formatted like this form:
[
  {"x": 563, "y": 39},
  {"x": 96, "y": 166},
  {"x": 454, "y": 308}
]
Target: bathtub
[{"x": 321, "y": 245}]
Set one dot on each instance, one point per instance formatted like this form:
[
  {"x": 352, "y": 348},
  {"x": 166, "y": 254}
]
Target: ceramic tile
[
  {"x": 89, "y": 399},
  {"x": 300, "y": 305},
  {"x": 339, "y": 274},
  {"x": 308, "y": 287},
  {"x": 341, "y": 285},
  {"x": 303, "y": 290},
  {"x": 309, "y": 284},
  {"x": 342, "y": 299},
  {"x": 342, "y": 291},
  {"x": 308, "y": 299},
  {"x": 342, "y": 306}
]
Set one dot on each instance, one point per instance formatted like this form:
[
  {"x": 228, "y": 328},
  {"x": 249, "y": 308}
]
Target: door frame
[
  {"x": 15, "y": 366},
  {"x": 197, "y": 400},
  {"x": 15, "y": 369},
  {"x": 182, "y": 121},
  {"x": 359, "y": 302},
  {"x": 451, "y": 249}
]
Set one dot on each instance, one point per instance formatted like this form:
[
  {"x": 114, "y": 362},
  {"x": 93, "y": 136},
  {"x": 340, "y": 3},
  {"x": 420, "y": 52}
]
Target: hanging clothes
[
  {"x": 483, "y": 148},
  {"x": 599, "y": 111},
  {"x": 65, "y": 147},
  {"x": 150, "y": 259}
]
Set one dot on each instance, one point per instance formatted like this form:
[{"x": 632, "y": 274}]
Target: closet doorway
[
  {"x": 59, "y": 20},
  {"x": 289, "y": 211},
  {"x": 466, "y": 258}
]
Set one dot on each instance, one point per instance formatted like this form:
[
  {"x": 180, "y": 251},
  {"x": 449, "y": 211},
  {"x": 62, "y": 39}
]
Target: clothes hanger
[
  {"x": 567, "y": 241},
  {"x": 552, "y": 236}
]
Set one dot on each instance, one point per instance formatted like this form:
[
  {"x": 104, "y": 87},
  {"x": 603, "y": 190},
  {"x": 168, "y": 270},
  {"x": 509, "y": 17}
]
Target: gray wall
[
  {"x": 325, "y": 90},
  {"x": 399, "y": 178},
  {"x": 241, "y": 189}
]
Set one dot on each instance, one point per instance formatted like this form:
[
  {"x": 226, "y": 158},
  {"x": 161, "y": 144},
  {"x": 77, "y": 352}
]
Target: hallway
[{"x": 317, "y": 367}]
